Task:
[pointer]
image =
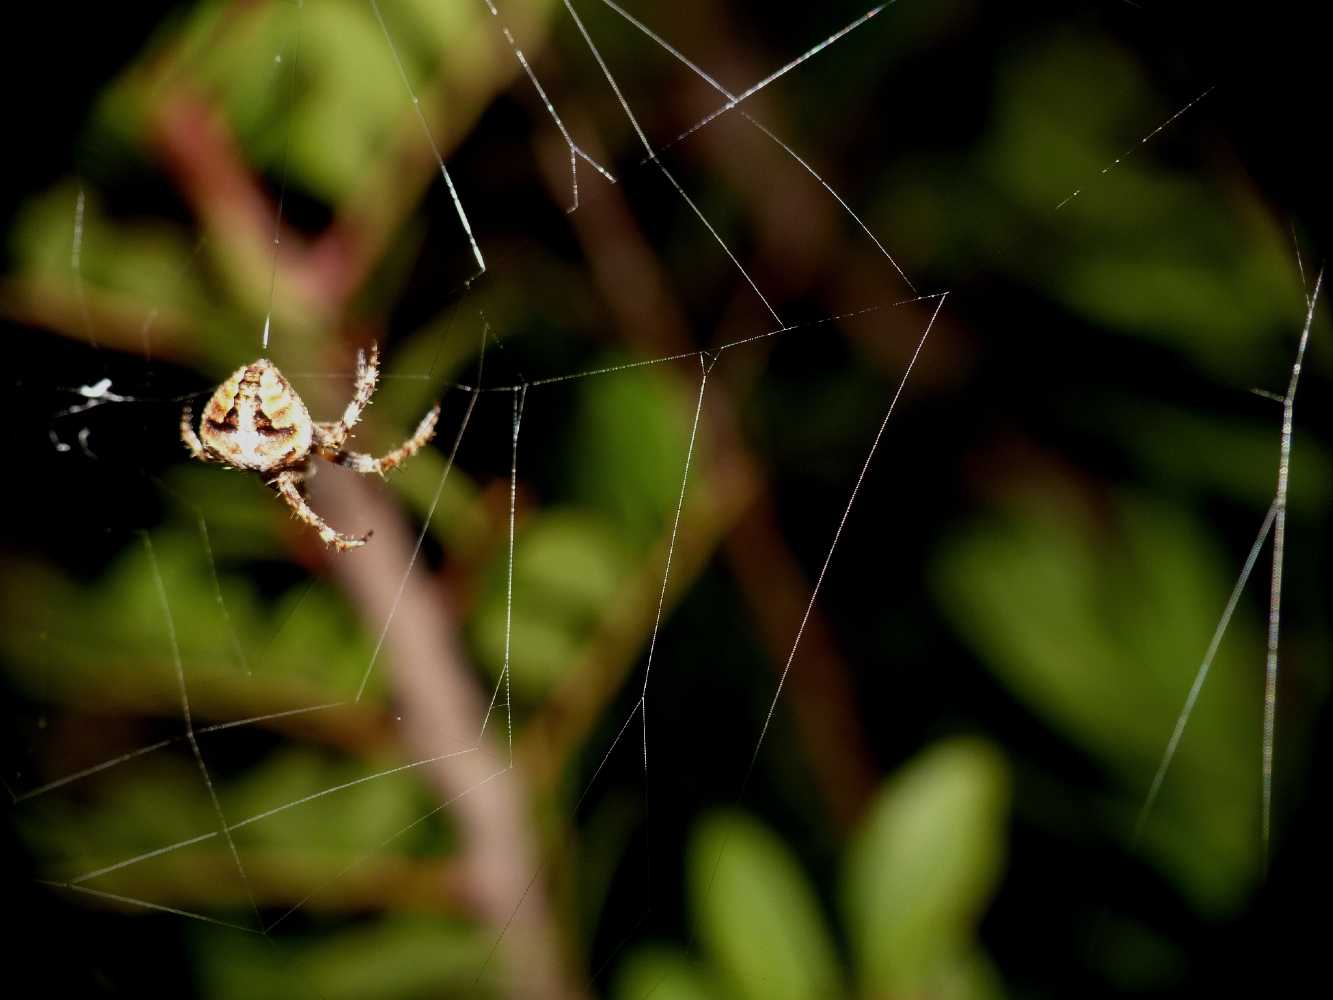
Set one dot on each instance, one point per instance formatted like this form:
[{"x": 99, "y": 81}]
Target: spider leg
[
  {"x": 368, "y": 464},
  {"x": 332, "y": 436},
  {"x": 288, "y": 485},
  {"x": 191, "y": 439}
]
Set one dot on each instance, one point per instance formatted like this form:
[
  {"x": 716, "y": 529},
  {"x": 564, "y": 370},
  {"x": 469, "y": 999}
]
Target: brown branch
[
  {"x": 647, "y": 314},
  {"x": 200, "y": 153},
  {"x": 122, "y": 323},
  {"x": 442, "y": 708},
  {"x": 331, "y": 880}
]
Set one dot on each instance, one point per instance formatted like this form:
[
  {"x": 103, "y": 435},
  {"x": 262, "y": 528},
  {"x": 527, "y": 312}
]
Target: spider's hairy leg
[
  {"x": 191, "y": 439},
  {"x": 332, "y": 436},
  {"x": 368, "y": 464},
  {"x": 288, "y": 485}
]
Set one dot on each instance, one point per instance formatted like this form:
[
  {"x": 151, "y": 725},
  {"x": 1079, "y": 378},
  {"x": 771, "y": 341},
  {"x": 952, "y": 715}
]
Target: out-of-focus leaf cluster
[{"x": 917, "y": 876}]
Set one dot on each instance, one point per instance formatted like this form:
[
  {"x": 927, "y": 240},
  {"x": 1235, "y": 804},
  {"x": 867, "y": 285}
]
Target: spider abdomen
[{"x": 255, "y": 420}]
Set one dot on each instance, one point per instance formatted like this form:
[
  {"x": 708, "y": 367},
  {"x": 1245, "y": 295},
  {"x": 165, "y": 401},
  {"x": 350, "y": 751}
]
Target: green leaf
[
  {"x": 1236, "y": 459},
  {"x": 108, "y": 644},
  {"x": 631, "y": 434},
  {"x": 393, "y": 959},
  {"x": 923, "y": 867},
  {"x": 1146, "y": 249},
  {"x": 1101, "y": 629},
  {"x": 757, "y": 914},
  {"x": 355, "y": 819},
  {"x": 155, "y": 802},
  {"x": 567, "y": 568}
]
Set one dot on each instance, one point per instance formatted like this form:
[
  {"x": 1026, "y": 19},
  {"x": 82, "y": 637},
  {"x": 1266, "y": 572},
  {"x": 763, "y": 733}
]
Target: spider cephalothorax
[{"x": 256, "y": 422}]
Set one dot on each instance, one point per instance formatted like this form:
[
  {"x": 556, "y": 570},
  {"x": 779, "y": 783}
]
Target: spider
[{"x": 256, "y": 422}]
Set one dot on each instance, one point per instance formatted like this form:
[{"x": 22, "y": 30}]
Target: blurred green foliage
[
  {"x": 567, "y": 568},
  {"x": 1085, "y": 581},
  {"x": 917, "y": 875},
  {"x": 1109, "y": 659},
  {"x": 396, "y": 959}
]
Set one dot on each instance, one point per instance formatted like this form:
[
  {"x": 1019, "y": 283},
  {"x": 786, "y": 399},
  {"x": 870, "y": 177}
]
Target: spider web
[{"x": 472, "y": 768}]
